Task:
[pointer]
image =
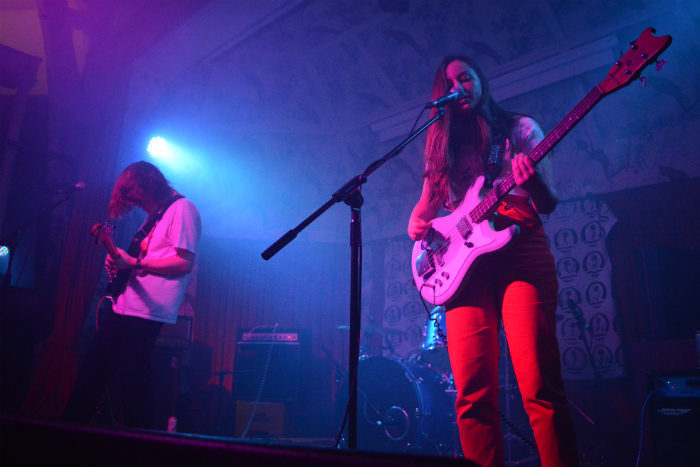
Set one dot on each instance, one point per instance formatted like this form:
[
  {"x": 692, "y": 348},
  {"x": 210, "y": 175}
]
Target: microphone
[
  {"x": 457, "y": 93},
  {"x": 72, "y": 189}
]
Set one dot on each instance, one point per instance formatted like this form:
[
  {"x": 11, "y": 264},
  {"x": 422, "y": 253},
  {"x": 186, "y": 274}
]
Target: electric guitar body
[{"x": 443, "y": 260}]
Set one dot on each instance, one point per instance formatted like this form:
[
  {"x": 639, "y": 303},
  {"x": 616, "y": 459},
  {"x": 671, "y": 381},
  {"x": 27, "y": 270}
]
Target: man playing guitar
[{"x": 155, "y": 274}]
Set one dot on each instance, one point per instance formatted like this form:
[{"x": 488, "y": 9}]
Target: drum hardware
[
  {"x": 391, "y": 421},
  {"x": 410, "y": 377},
  {"x": 418, "y": 411}
]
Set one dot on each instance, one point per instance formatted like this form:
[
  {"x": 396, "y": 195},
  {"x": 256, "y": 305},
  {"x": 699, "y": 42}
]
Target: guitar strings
[{"x": 557, "y": 133}]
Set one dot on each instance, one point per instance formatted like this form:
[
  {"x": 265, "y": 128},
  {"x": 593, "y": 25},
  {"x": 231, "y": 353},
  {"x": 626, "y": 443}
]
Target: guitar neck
[
  {"x": 487, "y": 205},
  {"x": 111, "y": 249}
]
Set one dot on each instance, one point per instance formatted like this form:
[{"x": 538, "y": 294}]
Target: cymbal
[{"x": 372, "y": 329}]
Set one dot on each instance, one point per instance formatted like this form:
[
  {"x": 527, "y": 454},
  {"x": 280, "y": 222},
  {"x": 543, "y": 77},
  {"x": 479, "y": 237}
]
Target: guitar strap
[
  {"x": 135, "y": 245},
  {"x": 494, "y": 163},
  {"x": 117, "y": 285}
]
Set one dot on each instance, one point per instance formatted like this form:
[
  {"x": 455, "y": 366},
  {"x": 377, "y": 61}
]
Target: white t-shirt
[
  {"x": 158, "y": 297},
  {"x": 526, "y": 134}
]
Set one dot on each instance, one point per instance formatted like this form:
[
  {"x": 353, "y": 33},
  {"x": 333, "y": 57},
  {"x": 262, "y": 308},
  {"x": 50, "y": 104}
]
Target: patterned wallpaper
[{"x": 291, "y": 107}]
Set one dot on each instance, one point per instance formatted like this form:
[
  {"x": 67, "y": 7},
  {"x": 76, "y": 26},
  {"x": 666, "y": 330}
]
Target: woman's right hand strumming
[
  {"x": 418, "y": 228},
  {"x": 420, "y": 222}
]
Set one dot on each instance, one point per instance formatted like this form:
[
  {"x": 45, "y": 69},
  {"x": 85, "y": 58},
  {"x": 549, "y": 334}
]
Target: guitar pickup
[{"x": 464, "y": 227}]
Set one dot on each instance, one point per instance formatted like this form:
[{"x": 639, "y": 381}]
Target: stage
[{"x": 29, "y": 442}]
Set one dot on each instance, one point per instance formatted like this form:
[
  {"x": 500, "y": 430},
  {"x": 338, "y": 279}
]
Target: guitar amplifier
[
  {"x": 282, "y": 353},
  {"x": 675, "y": 418},
  {"x": 176, "y": 336}
]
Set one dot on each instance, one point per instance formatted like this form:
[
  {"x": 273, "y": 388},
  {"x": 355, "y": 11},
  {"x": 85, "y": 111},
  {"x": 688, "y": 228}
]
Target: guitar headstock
[
  {"x": 102, "y": 231},
  {"x": 643, "y": 51}
]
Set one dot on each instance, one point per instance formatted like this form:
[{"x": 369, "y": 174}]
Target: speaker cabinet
[
  {"x": 268, "y": 420},
  {"x": 273, "y": 361},
  {"x": 669, "y": 292},
  {"x": 675, "y": 419}
]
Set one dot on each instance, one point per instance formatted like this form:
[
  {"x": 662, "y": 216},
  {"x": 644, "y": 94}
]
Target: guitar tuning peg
[
  {"x": 660, "y": 64},
  {"x": 644, "y": 81}
]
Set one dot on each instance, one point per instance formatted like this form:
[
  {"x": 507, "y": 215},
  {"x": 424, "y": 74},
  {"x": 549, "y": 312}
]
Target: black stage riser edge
[{"x": 28, "y": 442}]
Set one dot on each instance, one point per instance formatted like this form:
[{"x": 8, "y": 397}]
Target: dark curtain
[
  {"x": 87, "y": 128},
  {"x": 667, "y": 214},
  {"x": 306, "y": 286}
]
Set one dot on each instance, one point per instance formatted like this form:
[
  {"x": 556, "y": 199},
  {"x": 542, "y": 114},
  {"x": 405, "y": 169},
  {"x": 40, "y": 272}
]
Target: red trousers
[{"x": 518, "y": 285}]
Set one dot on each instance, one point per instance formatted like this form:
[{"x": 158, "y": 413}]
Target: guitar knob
[
  {"x": 438, "y": 282},
  {"x": 469, "y": 244},
  {"x": 446, "y": 275}
]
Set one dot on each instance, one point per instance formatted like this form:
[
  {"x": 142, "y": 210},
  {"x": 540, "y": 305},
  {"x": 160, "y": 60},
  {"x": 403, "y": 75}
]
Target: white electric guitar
[{"x": 443, "y": 260}]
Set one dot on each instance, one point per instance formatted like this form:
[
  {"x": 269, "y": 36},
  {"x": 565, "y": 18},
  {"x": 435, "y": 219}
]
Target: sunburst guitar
[{"x": 443, "y": 260}]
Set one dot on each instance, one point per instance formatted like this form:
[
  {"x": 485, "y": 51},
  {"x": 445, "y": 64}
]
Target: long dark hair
[
  {"x": 137, "y": 181},
  {"x": 491, "y": 122}
]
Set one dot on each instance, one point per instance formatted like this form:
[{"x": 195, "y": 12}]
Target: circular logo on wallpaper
[
  {"x": 589, "y": 208},
  {"x": 567, "y": 269},
  {"x": 392, "y": 315},
  {"x": 395, "y": 339},
  {"x": 573, "y": 360},
  {"x": 407, "y": 266},
  {"x": 603, "y": 358},
  {"x": 394, "y": 291},
  {"x": 593, "y": 263},
  {"x": 392, "y": 268},
  {"x": 616, "y": 324},
  {"x": 592, "y": 233},
  {"x": 599, "y": 326},
  {"x": 411, "y": 311},
  {"x": 566, "y": 210},
  {"x": 566, "y": 294},
  {"x": 565, "y": 240},
  {"x": 414, "y": 335},
  {"x": 410, "y": 289},
  {"x": 394, "y": 250},
  {"x": 596, "y": 293},
  {"x": 569, "y": 331}
]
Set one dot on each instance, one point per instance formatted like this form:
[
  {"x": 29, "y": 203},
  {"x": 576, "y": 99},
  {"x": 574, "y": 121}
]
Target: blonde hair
[{"x": 137, "y": 181}]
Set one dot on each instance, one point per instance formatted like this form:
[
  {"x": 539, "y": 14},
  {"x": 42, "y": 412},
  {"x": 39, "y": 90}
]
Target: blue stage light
[{"x": 158, "y": 147}]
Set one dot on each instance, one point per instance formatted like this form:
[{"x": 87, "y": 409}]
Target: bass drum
[{"x": 401, "y": 407}]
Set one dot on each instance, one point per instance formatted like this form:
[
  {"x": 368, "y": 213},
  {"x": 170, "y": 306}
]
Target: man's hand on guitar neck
[{"x": 123, "y": 261}]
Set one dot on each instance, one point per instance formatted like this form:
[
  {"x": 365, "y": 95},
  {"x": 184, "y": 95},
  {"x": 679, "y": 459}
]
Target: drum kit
[{"x": 406, "y": 405}]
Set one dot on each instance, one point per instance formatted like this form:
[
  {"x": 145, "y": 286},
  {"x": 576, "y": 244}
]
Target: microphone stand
[
  {"x": 600, "y": 391},
  {"x": 11, "y": 242},
  {"x": 350, "y": 195}
]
